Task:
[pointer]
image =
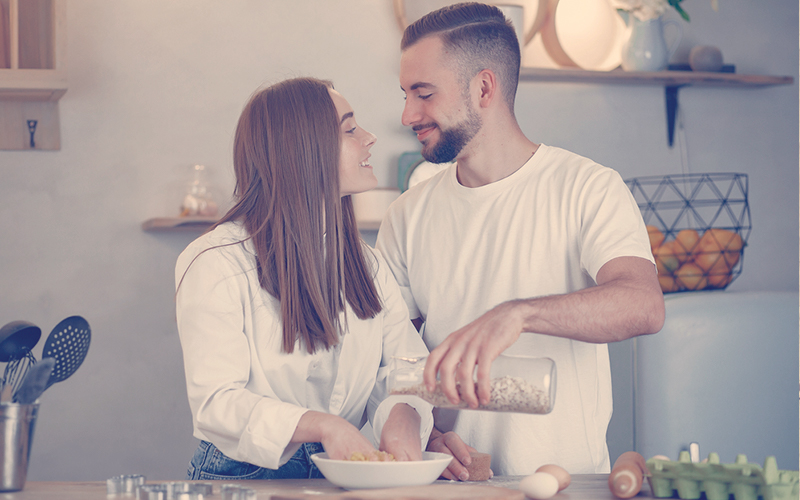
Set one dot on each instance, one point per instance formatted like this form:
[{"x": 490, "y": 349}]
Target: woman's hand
[
  {"x": 339, "y": 437},
  {"x": 400, "y": 434}
]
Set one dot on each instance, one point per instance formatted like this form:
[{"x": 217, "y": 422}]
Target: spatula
[{"x": 35, "y": 382}]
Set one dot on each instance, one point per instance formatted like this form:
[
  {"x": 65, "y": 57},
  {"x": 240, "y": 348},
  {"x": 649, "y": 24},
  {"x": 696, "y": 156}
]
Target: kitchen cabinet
[{"x": 32, "y": 73}]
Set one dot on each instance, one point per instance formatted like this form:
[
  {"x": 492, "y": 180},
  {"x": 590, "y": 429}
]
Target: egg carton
[{"x": 744, "y": 481}]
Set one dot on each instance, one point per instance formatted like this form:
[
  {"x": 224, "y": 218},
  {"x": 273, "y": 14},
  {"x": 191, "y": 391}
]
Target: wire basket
[{"x": 698, "y": 226}]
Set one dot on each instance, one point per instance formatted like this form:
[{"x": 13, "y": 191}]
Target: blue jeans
[{"x": 210, "y": 463}]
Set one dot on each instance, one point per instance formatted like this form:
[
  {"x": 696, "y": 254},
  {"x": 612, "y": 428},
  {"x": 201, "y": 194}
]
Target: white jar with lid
[{"x": 521, "y": 384}]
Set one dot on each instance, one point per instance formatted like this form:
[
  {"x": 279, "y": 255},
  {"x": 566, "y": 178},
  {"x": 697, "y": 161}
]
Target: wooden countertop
[{"x": 583, "y": 487}]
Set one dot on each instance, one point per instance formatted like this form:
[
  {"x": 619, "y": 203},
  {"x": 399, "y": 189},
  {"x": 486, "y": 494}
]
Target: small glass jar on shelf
[
  {"x": 521, "y": 384},
  {"x": 198, "y": 200}
]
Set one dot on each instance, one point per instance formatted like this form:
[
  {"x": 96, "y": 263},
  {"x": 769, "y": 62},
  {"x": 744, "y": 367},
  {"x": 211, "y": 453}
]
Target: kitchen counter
[{"x": 583, "y": 487}]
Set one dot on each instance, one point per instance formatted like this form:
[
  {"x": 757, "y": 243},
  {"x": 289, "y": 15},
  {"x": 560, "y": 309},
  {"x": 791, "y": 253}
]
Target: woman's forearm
[
  {"x": 338, "y": 436},
  {"x": 401, "y": 433},
  {"x": 313, "y": 427}
]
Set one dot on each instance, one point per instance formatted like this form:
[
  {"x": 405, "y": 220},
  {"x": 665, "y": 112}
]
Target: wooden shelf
[
  {"x": 32, "y": 84},
  {"x": 656, "y": 78},
  {"x": 163, "y": 224},
  {"x": 199, "y": 224},
  {"x": 670, "y": 80}
]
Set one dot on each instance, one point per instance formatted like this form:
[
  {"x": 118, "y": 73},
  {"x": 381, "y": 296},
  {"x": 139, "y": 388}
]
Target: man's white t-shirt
[{"x": 546, "y": 229}]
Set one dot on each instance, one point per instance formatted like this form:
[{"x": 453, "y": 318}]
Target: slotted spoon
[{"x": 68, "y": 344}]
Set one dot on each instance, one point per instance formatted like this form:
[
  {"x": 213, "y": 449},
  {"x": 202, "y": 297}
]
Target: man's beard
[{"x": 453, "y": 140}]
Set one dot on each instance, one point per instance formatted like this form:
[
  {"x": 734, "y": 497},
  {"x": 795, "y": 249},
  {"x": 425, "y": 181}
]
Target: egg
[
  {"x": 539, "y": 485},
  {"x": 560, "y": 473}
]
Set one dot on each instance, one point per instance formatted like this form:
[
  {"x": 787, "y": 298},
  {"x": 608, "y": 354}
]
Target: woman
[{"x": 287, "y": 320}]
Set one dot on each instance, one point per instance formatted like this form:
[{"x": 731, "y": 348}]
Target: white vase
[{"x": 646, "y": 49}]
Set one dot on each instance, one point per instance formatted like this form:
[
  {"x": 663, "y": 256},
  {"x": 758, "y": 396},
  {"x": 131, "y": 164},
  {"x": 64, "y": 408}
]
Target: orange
[
  {"x": 656, "y": 237},
  {"x": 667, "y": 283},
  {"x": 685, "y": 243},
  {"x": 707, "y": 260},
  {"x": 691, "y": 277},
  {"x": 716, "y": 240},
  {"x": 666, "y": 261},
  {"x": 715, "y": 267},
  {"x": 719, "y": 275}
]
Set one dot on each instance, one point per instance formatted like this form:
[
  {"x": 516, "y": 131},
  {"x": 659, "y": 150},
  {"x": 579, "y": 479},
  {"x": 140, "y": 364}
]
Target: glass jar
[
  {"x": 521, "y": 384},
  {"x": 198, "y": 200}
]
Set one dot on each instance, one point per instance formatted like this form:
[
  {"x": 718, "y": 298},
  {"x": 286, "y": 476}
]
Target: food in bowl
[
  {"x": 357, "y": 474},
  {"x": 372, "y": 456}
]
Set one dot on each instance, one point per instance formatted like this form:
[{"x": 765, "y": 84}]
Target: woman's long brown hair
[{"x": 308, "y": 250}]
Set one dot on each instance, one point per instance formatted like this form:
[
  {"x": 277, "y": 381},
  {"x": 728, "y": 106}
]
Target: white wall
[{"x": 155, "y": 87}]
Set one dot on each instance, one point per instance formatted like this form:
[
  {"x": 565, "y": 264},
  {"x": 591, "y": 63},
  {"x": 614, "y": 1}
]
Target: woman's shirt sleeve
[{"x": 210, "y": 307}]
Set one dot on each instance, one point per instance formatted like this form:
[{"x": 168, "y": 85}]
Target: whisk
[{"x": 16, "y": 369}]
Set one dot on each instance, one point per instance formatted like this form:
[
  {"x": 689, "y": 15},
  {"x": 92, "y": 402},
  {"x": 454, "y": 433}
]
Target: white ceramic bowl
[{"x": 353, "y": 475}]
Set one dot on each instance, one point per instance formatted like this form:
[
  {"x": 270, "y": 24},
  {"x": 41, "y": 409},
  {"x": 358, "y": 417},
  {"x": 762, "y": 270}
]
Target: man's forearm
[
  {"x": 626, "y": 302},
  {"x": 605, "y": 313}
]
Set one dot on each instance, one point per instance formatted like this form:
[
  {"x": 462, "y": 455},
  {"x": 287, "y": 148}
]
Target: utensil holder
[{"x": 17, "y": 423}]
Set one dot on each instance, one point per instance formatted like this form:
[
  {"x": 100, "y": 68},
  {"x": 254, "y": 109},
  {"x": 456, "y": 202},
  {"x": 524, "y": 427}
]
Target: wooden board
[
  {"x": 451, "y": 491},
  {"x": 583, "y": 487},
  {"x": 284, "y": 489}
]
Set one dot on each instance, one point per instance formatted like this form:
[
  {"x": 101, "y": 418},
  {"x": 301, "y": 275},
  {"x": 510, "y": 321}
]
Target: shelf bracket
[{"x": 671, "y": 95}]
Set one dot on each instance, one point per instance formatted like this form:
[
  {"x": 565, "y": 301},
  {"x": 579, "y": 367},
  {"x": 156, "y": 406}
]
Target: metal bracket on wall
[
  {"x": 29, "y": 125},
  {"x": 32, "y": 131},
  {"x": 671, "y": 95}
]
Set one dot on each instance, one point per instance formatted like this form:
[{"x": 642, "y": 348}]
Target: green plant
[
  {"x": 651, "y": 9},
  {"x": 677, "y": 5}
]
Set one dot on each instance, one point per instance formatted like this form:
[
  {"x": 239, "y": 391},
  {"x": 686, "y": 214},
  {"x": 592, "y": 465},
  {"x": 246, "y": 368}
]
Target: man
[{"x": 518, "y": 247}]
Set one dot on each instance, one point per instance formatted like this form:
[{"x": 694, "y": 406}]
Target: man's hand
[
  {"x": 478, "y": 343},
  {"x": 626, "y": 302},
  {"x": 400, "y": 433},
  {"x": 451, "y": 443}
]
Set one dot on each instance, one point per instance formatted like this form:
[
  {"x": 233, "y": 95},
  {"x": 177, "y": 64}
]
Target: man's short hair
[{"x": 481, "y": 38}]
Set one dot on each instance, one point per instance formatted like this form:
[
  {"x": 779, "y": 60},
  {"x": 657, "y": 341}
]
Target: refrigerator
[{"x": 721, "y": 373}]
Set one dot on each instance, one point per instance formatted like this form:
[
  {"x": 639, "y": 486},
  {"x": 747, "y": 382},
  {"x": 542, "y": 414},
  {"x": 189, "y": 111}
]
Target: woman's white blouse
[{"x": 247, "y": 396}]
